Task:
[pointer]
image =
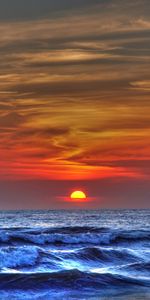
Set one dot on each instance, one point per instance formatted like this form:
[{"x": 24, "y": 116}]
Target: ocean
[{"x": 75, "y": 254}]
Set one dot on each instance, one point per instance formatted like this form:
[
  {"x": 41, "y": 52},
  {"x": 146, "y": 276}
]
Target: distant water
[{"x": 92, "y": 255}]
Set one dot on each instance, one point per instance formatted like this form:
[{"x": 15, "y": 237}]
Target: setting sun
[{"x": 78, "y": 195}]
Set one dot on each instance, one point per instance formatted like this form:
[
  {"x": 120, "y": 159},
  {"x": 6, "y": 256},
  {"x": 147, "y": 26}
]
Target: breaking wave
[{"x": 74, "y": 235}]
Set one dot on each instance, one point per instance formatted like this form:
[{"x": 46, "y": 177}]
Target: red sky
[{"x": 75, "y": 101}]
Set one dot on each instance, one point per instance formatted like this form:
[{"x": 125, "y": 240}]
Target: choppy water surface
[{"x": 101, "y": 254}]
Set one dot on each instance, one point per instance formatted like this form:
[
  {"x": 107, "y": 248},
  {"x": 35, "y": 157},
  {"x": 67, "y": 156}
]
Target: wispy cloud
[{"x": 74, "y": 89}]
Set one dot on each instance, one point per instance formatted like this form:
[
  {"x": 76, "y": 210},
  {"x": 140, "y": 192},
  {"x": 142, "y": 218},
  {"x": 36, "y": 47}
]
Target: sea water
[{"x": 75, "y": 254}]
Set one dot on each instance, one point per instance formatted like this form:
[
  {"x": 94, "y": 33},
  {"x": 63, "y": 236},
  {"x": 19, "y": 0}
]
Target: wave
[
  {"x": 11, "y": 257},
  {"x": 73, "y": 279},
  {"x": 139, "y": 267},
  {"x": 26, "y": 257},
  {"x": 33, "y": 258},
  {"x": 101, "y": 255},
  {"x": 74, "y": 258},
  {"x": 73, "y": 235}
]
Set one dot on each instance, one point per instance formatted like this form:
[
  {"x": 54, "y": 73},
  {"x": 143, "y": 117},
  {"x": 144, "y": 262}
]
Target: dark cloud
[
  {"x": 33, "y": 9},
  {"x": 11, "y": 120},
  {"x": 71, "y": 87},
  {"x": 44, "y": 132},
  {"x": 88, "y": 62},
  {"x": 134, "y": 163},
  {"x": 37, "y": 9},
  {"x": 123, "y": 39},
  {"x": 124, "y": 123}
]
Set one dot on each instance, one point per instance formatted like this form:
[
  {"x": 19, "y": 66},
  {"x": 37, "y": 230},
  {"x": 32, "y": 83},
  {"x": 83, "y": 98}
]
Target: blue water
[{"x": 102, "y": 254}]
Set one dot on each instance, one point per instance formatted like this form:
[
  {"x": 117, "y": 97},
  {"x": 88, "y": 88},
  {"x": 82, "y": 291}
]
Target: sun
[{"x": 78, "y": 195}]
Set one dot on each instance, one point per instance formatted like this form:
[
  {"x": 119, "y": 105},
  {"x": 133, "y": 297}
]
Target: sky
[{"x": 74, "y": 103}]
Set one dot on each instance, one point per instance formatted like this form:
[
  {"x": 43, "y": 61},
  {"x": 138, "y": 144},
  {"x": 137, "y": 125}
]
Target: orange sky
[{"x": 75, "y": 90}]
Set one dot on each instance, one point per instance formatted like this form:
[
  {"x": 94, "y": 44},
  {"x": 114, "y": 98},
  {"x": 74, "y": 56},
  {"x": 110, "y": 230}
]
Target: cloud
[
  {"x": 11, "y": 120},
  {"x": 35, "y": 9},
  {"x": 143, "y": 85},
  {"x": 44, "y": 132},
  {"x": 74, "y": 99}
]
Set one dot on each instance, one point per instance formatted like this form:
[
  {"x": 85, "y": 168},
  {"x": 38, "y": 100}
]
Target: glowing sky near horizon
[{"x": 75, "y": 90}]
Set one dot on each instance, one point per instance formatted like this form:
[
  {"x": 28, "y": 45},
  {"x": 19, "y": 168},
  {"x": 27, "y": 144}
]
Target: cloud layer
[{"x": 74, "y": 89}]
